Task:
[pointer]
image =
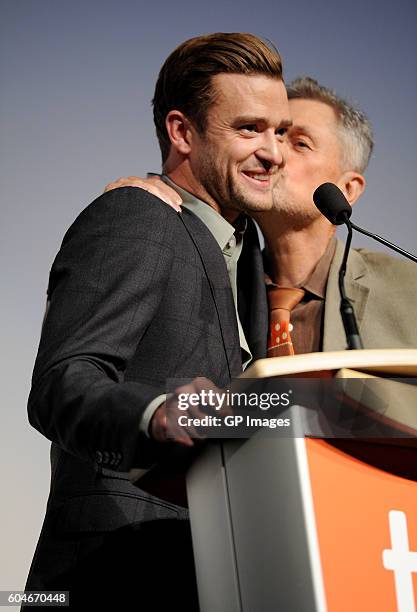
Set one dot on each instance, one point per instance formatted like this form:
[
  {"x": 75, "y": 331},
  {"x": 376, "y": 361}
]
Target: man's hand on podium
[{"x": 164, "y": 425}]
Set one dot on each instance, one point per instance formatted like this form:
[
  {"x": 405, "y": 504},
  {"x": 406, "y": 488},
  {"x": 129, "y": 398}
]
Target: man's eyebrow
[
  {"x": 250, "y": 119},
  {"x": 247, "y": 119},
  {"x": 304, "y": 129}
]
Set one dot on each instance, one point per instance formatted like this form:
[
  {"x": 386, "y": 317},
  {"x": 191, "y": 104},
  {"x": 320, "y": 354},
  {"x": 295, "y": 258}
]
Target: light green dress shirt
[{"x": 230, "y": 241}]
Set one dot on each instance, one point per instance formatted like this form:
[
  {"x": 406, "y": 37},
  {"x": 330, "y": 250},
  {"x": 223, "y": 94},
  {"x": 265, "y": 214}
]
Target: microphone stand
[
  {"x": 384, "y": 241},
  {"x": 346, "y": 309}
]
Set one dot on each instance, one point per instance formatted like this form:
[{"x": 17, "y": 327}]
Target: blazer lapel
[
  {"x": 252, "y": 300},
  {"x": 357, "y": 290},
  {"x": 215, "y": 269}
]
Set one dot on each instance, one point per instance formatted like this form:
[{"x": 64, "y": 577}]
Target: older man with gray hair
[{"x": 331, "y": 141}]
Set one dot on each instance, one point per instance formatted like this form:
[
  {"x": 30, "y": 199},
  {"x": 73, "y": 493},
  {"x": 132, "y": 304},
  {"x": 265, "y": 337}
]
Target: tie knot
[{"x": 284, "y": 297}]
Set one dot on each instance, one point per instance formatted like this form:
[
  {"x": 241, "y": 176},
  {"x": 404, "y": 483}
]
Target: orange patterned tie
[{"x": 281, "y": 301}]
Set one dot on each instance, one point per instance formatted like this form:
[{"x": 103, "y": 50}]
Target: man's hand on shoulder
[{"x": 153, "y": 185}]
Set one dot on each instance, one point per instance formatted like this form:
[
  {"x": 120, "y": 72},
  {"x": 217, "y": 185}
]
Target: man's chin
[
  {"x": 254, "y": 202},
  {"x": 253, "y": 209}
]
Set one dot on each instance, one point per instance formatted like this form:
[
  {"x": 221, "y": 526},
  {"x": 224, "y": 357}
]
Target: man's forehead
[
  {"x": 312, "y": 115},
  {"x": 250, "y": 96},
  {"x": 250, "y": 83}
]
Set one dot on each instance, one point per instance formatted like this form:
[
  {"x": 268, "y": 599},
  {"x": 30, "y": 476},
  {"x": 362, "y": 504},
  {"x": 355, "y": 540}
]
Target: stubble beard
[
  {"x": 223, "y": 190},
  {"x": 292, "y": 211}
]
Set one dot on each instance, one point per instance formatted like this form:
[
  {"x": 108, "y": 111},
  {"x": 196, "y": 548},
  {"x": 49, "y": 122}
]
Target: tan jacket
[{"x": 383, "y": 291}]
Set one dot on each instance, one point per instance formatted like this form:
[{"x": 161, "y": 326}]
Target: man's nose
[{"x": 273, "y": 150}]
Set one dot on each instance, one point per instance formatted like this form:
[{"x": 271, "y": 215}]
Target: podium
[{"x": 300, "y": 524}]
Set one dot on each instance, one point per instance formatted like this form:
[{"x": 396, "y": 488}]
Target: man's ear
[
  {"x": 353, "y": 185},
  {"x": 179, "y": 131}
]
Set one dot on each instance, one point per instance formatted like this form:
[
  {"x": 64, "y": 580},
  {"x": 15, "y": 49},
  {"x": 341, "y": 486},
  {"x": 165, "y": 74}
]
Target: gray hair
[{"x": 354, "y": 128}]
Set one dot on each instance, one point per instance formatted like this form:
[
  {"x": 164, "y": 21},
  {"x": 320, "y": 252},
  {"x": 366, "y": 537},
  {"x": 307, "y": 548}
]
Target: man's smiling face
[{"x": 239, "y": 157}]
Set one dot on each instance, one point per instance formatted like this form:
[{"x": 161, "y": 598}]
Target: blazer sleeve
[{"x": 105, "y": 287}]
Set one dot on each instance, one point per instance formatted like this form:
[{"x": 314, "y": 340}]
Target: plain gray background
[{"x": 77, "y": 79}]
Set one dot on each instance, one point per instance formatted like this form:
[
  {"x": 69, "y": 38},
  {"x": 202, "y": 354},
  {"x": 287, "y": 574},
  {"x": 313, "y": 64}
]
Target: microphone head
[{"x": 332, "y": 203}]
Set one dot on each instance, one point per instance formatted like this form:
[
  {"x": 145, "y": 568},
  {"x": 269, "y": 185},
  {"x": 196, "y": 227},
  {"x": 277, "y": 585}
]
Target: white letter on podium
[{"x": 401, "y": 561}]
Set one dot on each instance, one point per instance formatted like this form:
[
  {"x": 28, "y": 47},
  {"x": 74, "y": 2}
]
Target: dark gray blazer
[{"x": 139, "y": 294}]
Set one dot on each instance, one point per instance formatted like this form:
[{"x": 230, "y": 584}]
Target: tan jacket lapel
[{"x": 357, "y": 290}]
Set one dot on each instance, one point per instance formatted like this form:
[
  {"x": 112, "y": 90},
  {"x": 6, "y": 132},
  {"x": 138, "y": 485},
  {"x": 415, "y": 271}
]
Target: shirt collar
[
  {"x": 316, "y": 281},
  {"x": 221, "y": 229}
]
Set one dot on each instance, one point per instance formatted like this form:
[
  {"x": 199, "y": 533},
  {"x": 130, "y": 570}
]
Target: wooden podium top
[{"x": 380, "y": 361}]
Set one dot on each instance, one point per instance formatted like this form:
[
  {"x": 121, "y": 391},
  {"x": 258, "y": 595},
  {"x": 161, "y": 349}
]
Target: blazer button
[{"x": 99, "y": 457}]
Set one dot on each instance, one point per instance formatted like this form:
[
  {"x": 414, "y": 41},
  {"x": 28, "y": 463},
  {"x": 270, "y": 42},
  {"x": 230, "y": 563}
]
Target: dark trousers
[{"x": 148, "y": 566}]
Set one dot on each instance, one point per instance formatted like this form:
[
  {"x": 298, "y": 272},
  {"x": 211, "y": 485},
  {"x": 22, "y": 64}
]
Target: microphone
[{"x": 331, "y": 202}]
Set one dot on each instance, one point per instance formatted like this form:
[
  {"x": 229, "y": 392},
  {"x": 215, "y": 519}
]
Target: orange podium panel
[{"x": 366, "y": 521}]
